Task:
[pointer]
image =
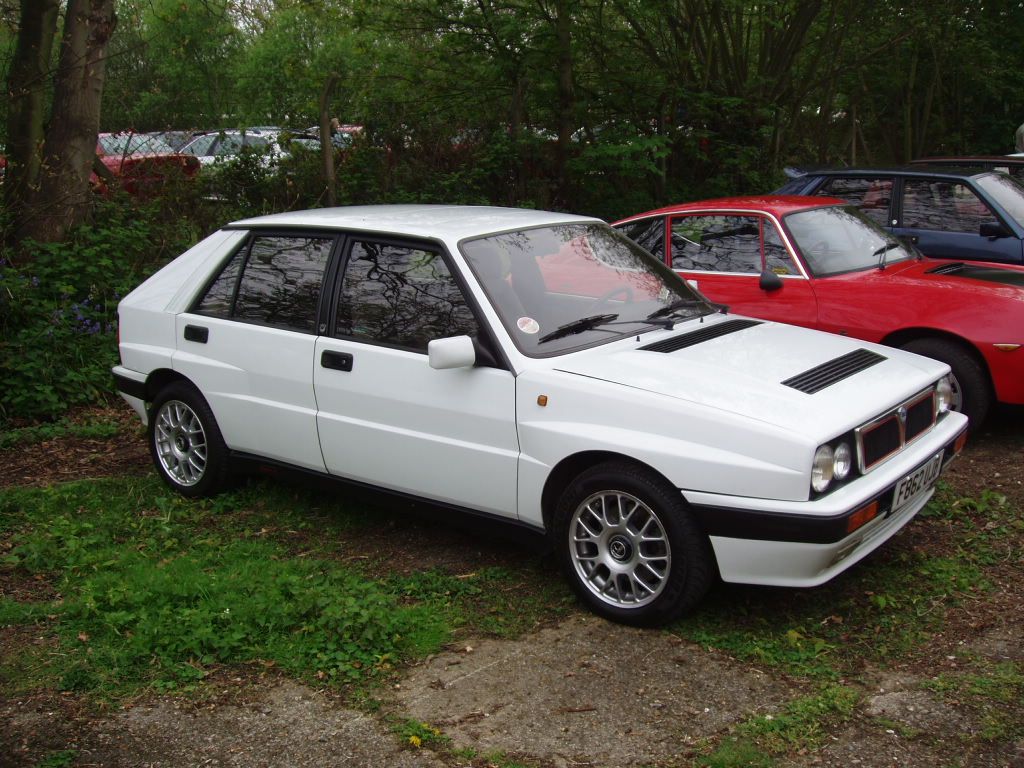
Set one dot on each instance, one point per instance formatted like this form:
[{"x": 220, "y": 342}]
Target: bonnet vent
[
  {"x": 827, "y": 374},
  {"x": 697, "y": 337},
  {"x": 947, "y": 269}
]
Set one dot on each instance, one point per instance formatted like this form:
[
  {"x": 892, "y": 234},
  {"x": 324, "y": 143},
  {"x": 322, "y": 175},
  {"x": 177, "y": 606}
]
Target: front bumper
[{"x": 803, "y": 544}]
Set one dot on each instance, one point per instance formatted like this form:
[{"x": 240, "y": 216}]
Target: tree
[{"x": 47, "y": 207}]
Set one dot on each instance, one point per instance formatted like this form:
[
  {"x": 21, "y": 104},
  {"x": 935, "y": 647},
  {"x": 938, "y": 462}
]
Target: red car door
[{"x": 723, "y": 254}]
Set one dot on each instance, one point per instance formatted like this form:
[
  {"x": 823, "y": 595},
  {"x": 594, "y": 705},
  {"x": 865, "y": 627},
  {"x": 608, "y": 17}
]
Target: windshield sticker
[{"x": 528, "y": 325}]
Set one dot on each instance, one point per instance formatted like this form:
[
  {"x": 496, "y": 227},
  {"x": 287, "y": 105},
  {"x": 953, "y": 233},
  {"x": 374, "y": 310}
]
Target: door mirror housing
[
  {"x": 453, "y": 352},
  {"x": 769, "y": 281},
  {"x": 993, "y": 229}
]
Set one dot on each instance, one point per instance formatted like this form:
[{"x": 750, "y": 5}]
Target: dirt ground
[{"x": 580, "y": 692}]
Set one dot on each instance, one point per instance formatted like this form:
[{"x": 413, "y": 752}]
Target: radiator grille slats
[{"x": 827, "y": 374}]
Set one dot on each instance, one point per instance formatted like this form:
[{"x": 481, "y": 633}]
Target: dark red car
[
  {"x": 143, "y": 164},
  {"x": 818, "y": 262}
]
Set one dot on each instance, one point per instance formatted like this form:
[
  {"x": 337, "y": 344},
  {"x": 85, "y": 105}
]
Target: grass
[
  {"x": 155, "y": 590},
  {"x": 97, "y": 428}
]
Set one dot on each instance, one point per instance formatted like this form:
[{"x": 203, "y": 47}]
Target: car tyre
[
  {"x": 972, "y": 393},
  {"x": 630, "y": 547},
  {"x": 185, "y": 442}
]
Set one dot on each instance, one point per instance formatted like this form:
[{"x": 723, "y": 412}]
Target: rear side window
[
  {"x": 943, "y": 206},
  {"x": 649, "y": 235},
  {"x": 872, "y": 196},
  {"x": 275, "y": 281}
]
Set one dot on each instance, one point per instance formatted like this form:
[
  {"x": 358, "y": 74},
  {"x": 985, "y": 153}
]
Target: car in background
[
  {"x": 141, "y": 164},
  {"x": 966, "y": 214},
  {"x": 544, "y": 370},
  {"x": 1010, "y": 164},
  {"x": 821, "y": 263},
  {"x": 270, "y": 143}
]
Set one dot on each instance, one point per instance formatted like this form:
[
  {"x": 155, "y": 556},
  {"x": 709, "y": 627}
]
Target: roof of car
[
  {"x": 969, "y": 160},
  {"x": 777, "y": 205},
  {"x": 894, "y": 170},
  {"x": 436, "y": 221}
]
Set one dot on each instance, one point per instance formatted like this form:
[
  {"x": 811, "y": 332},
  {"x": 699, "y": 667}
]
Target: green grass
[
  {"x": 801, "y": 726},
  {"x": 156, "y": 590},
  {"x": 92, "y": 428}
]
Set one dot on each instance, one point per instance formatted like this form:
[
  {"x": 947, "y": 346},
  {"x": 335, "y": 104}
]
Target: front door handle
[{"x": 337, "y": 361}]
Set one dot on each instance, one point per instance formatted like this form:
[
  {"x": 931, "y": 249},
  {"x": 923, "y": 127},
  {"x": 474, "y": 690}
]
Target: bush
[{"x": 58, "y": 308}]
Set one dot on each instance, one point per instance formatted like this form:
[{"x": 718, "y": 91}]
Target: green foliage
[
  {"x": 61, "y": 759},
  {"x": 150, "y": 597},
  {"x": 58, "y": 308},
  {"x": 89, "y": 428},
  {"x": 418, "y": 734}
]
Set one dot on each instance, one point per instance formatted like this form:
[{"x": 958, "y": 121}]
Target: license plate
[{"x": 917, "y": 481}]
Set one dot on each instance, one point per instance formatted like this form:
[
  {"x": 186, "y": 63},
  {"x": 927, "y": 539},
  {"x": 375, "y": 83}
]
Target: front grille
[
  {"x": 825, "y": 375},
  {"x": 890, "y": 432},
  {"x": 696, "y": 337}
]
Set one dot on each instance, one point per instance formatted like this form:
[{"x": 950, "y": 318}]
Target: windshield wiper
[
  {"x": 670, "y": 309},
  {"x": 880, "y": 253},
  {"x": 577, "y": 326}
]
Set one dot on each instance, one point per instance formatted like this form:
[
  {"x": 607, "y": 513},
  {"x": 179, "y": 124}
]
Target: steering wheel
[{"x": 600, "y": 301}]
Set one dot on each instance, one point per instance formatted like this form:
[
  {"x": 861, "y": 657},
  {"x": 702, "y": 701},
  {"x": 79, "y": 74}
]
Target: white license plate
[{"x": 917, "y": 481}]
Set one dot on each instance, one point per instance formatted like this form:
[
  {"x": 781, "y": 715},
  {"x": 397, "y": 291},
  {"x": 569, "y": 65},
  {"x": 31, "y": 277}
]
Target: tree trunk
[
  {"x": 326, "y": 142},
  {"x": 566, "y": 104},
  {"x": 63, "y": 197},
  {"x": 26, "y": 82}
]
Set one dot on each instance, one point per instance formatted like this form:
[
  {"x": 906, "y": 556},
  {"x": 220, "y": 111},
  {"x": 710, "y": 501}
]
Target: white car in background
[
  {"x": 271, "y": 144},
  {"x": 539, "y": 368}
]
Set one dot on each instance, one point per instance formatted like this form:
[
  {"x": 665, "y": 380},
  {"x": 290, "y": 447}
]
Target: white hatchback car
[{"x": 540, "y": 368}]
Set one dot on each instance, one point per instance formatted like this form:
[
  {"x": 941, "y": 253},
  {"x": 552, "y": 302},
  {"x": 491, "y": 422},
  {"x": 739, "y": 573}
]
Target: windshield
[
  {"x": 1007, "y": 192},
  {"x": 568, "y": 286},
  {"x": 838, "y": 239}
]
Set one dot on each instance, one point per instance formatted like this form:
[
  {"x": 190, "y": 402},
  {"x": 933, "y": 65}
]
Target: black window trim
[{"x": 246, "y": 245}]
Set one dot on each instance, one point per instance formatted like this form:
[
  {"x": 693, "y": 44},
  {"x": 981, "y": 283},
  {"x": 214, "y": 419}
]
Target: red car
[
  {"x": 818, "y": 262},
  {"x": 142, "y": 163}
]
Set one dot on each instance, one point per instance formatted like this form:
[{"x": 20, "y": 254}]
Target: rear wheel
[
  {"x": 185, "y": 442},
  {"x": 629, "y": 546},
  {"x": 972, "y": 392}
]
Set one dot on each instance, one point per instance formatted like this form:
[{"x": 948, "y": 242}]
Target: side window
[
  {"x": 872, "y": 196},
  {"x": 220, "y": 296},
  {"x": 281, "y": 281},
  {"x": 776, "y": 257},
  {"x": 943, "y": 206},
  {"x": 716, "y": 243},
  {"x": 648, "y": 234},
  {"x": 401, "y": 295}
]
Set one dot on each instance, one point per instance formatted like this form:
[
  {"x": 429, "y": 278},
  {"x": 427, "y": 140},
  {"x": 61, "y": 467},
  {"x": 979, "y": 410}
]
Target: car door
[
  {"x": 248, "y": 342},
  {"x": 385, "y": 416},
  {"x": 723, "y": 255},
  {"x": 943, "y": 218}
]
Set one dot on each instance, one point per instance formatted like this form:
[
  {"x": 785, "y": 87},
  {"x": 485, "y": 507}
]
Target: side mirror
[
  {"x": 769, "y": 281},
  {"x": 453, "y": 352},
  {"x": 993, "y": 229}
]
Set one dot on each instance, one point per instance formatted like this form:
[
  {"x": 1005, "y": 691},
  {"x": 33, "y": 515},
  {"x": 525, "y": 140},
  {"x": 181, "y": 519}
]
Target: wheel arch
[
  {"x": 159, "y": 379},
  {"x": 906, "y": 335},
  {"x": 566, "y": 470}
]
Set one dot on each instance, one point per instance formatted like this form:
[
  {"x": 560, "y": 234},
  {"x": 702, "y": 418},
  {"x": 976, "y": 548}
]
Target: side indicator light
[
  {"x": 542, "y": 400},
  {"x": 862, "y": 516},
  {"x": 1007, "y": 347},
  {"x": 960, "y": 443}
]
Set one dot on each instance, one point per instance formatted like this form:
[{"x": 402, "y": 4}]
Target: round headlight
[
  {"x": 842, "y": 461},
  {"x": 943, "y": 395},
  {"x": 822, "y": 469}
]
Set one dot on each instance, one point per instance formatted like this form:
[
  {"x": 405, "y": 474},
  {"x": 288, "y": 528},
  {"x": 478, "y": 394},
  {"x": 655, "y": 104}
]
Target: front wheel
[
  {"x": 185, "y": 442},
  {"x": 630, "y": 548},
  {"x": 972, "y": 393}
]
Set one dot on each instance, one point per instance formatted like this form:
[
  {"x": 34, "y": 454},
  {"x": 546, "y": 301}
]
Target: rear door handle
[
  {"x": 337, "y": 361},
  {"x": 197, "y": 333}
]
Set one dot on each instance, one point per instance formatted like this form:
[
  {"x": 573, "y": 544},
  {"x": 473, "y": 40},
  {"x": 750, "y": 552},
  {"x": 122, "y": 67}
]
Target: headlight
[
  {"x": 822, "y": 468},
  {"x": 943, "y": 395},
  {"x": 842, "y": 461}
]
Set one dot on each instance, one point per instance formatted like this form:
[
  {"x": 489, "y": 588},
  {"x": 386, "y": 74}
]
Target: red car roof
[{"x": 777, "y": 205}]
